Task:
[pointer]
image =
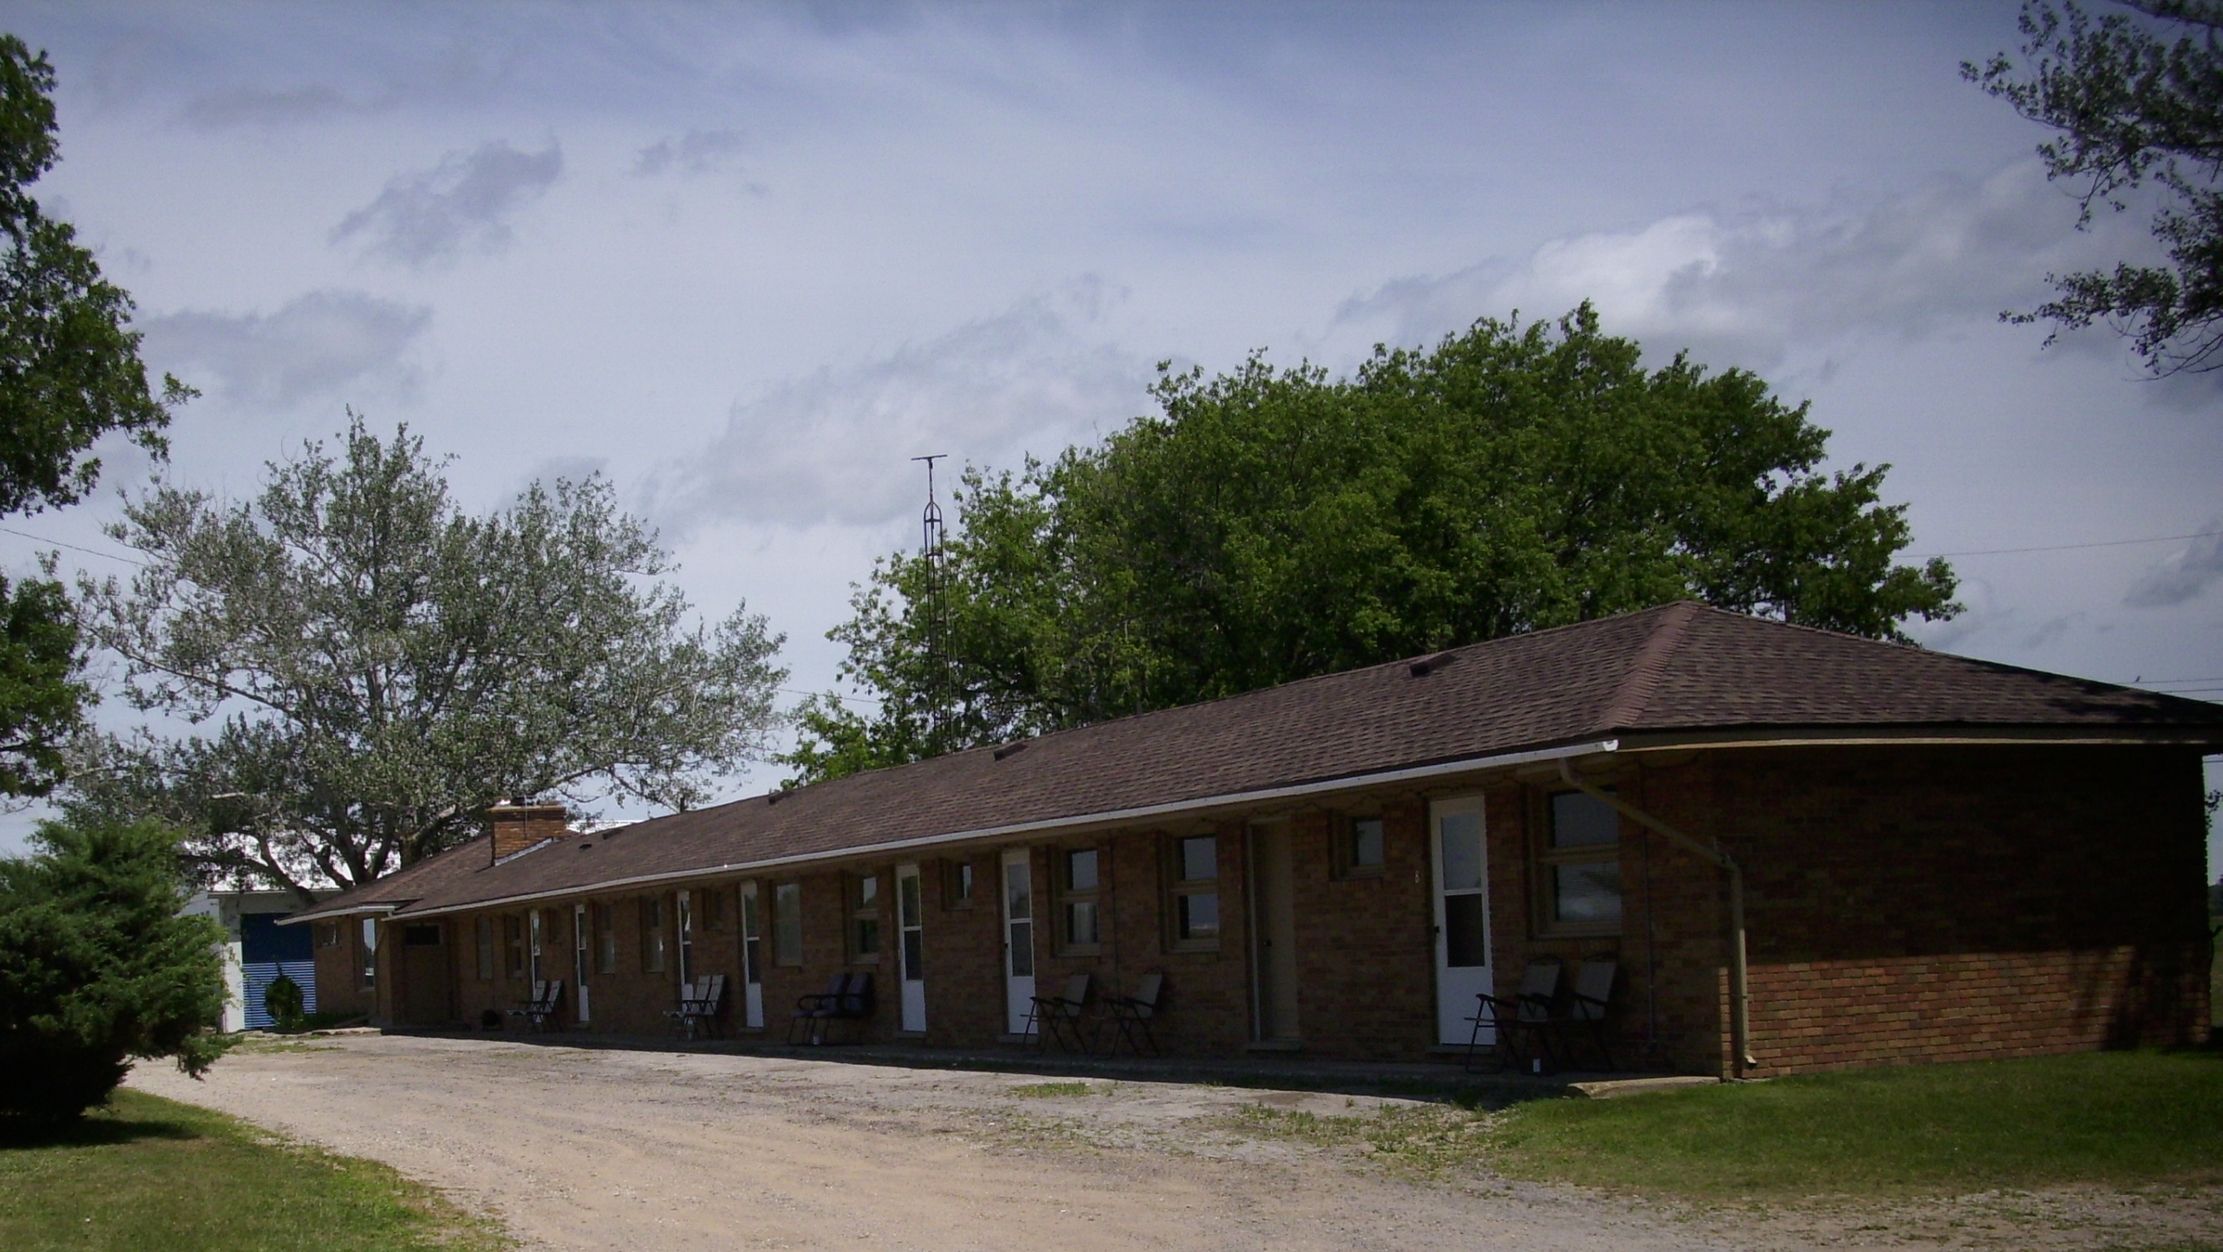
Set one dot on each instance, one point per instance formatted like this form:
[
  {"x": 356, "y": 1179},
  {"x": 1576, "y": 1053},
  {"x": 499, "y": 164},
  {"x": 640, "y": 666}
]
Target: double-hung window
[
  {"x": 1079, "y": 897},
  {"x": 1578, "y": 879},
  {"x": 653, "y": 939},
  {"x": 1193, "y": 894},
  {"x": 483, "y": 932},
  {"x": 787, "y": 924},
  {"x": 864, "y": 918},
  {"x": 513, "y": 942},
  {"x": 604, "y": 919}
]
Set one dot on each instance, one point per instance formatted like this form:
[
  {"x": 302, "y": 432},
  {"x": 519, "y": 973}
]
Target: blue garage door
[{"x": 267, "y": 950}]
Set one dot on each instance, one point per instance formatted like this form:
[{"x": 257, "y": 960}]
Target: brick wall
[{"x": 1904, "y": 903}]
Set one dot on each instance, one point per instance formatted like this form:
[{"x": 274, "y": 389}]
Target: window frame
[
  {"x": 602, "y": 915},
  {"x": 367, "y": 964},
  {"x": 1177, "y": 887},
  {"x": 482, "y": 938},
  {"x": 787, "y": 952},
  {"x": 513, "y": 946},
  {"x": 1343, "y": 834},
  {"x": 655, "y": 944},
  {"x": 861, "y": 916},
  {"x": 1545, "y": 858},
  {"x": 1071, "y": 896},
  {"x": 960, "y": 884}
]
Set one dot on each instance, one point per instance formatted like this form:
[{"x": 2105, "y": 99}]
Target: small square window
[
  {"x": 957, "y": 892},
  {"x": 1360, "y": 846}
]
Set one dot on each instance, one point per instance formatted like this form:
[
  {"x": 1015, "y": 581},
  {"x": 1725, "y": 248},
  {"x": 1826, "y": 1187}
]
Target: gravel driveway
[{"x": 648, "y": 1150}]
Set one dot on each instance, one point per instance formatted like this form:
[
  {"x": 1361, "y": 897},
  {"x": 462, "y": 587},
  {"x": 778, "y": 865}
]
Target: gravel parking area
[{"x": 592, "y": 1148}]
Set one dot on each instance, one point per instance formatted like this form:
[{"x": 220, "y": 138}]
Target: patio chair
[
  {"x": 699, "y": 1005},
  {"x": 848, "y": 998},
  {"x": 1131, "y": 1015},
  {"x": 1523, "y": 1024},
  {"x": 540, "y": 1011},
  {"x": 1059, "y": 1017},
  {"x": 1587, "y": 1012}
]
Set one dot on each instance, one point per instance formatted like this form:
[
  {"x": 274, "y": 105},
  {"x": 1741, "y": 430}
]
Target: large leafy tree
[
  {"x": 2137, "y": 97},
  {"x": 379, "y": 666},
  {"x": 1272, "y": 524},
  {"x": 97, "y": 968},
  {"x": 69, "y": 374}
]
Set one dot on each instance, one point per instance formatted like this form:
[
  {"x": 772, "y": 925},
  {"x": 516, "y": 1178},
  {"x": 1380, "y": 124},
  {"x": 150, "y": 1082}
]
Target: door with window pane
[
  {"x": 1018, "y": 941},
  {"x": 752, "y": 959},
  {"x": 910, "y": 946},
  {"x": 1457, "y": 848}
]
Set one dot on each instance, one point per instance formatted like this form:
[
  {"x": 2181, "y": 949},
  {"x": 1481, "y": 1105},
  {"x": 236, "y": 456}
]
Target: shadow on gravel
[{"x": 1440, "y": 1083}]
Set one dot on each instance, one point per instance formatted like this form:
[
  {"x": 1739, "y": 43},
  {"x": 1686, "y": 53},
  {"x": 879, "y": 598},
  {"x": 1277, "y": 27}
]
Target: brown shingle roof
[{"x": 1680, "y": 668}]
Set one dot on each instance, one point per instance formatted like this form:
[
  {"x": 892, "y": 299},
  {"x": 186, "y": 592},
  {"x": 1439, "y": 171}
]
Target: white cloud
[
  {"x": 463, "y": 202},
  {"x": 1745, "y": 287},
  {"x": 835, "y": 445},
  {"x": 316, "y": 345},
  {"x": 2184, "y": 576}
]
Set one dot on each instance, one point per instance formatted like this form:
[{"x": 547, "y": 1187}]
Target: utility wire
[
  {"x": 2065, "y": 547},
  {"x": 74, "y": 547}
]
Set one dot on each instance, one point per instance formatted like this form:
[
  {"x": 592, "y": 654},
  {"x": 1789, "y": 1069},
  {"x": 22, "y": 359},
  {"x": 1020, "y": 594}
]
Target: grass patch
[
  {"x": 152, "y": 1173},
  {"x": 1431, "y": 1141},
  {"x": 2108, "y": 1118},
  {"x": 1050, "y": 1090}
]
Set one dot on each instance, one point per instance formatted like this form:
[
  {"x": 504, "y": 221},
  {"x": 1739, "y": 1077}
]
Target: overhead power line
[
  {"x": 2066, "y": 547},
  {"x": 112, "y": 556}
]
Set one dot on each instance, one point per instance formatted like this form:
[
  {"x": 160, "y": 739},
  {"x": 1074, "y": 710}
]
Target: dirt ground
[{"x": 593, "y": 1148}]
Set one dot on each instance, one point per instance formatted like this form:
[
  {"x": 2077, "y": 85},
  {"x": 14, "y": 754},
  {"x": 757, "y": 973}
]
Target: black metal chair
[
  {"x": 1587, "y": 1008},
  {"x": 1521, "y": 1026},
  {"x": 700, "y": 1002},
  {"x": 847, "y": 999},
  {"x": 540, "y": 1011},
  {"x": 1131, "y": 1015},
  {"x": 1059, "y": 1017}
]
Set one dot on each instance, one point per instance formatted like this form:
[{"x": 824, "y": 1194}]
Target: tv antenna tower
[{"x": 937, "y": 664}]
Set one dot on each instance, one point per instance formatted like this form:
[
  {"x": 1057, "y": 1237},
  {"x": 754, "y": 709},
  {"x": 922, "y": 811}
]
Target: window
[
  {"x": 370, "y": 952},
  {"x": 536, "y": 929},
  {"x": 711, "y": 905},
  {"x": 328, "y": 934},
  {"x": 483, "y": 931},
  {"x": 957, "y": 888},
  {"x": 652, "y": 934},
  {"x": 864, "y": 918},
  {"x": 605, "y": 938},
  {"x": 687, "y": 937},
  {"x": 1078, "y": 887},
  {"x": 1359, "y": 847},
  {"x": 513, "y": 940},
  {"x": 1194, "y": 907},
  {"x": 1579, "y": 866},
  {"x": 787, "y": 924}
]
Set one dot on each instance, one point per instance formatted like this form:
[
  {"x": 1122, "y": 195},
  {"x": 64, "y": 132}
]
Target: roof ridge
[{"x": 1643, "y": 678}]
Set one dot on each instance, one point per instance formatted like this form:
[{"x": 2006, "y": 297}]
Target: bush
[
  {"x": 97, "y": 969},
  {"x": 282, "y": 999}
]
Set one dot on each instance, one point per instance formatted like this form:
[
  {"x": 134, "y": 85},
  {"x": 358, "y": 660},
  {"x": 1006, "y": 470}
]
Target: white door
[
  {"x": 910, "y": 945},
  {"x": 752, "y": 959},
  {"x": 532, "y": 922},
  {"x": 1018, "y": 940},
  {"x": 686, "y": 939},
  {"x": 582, "y": 956},
  {"x": 1462, "y": 916}
]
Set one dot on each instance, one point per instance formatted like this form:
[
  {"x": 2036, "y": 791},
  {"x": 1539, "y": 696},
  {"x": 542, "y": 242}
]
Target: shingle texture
[{"x": 1680, "y": 668}]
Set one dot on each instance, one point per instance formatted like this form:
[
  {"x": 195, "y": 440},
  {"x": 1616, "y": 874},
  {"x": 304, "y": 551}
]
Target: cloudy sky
[{"x": 748, "y": 260}]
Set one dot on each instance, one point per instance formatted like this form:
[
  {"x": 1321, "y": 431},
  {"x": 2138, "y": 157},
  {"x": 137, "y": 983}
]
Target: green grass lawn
[
  {"x": 149, "y": 1173},
  {"x": 2107, "y": 1118}
]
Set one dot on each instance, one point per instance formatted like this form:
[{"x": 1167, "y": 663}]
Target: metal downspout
[{"x": 1740, "y": 990}]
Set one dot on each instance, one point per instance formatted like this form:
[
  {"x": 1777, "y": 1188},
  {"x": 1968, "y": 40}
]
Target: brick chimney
[{"x": 519, "y": 825}]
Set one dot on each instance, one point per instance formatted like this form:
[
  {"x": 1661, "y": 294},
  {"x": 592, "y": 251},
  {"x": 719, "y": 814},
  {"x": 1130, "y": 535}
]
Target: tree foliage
[
  {"x": 2138, "y": 98},
  {"x": 1272, "y": 524},
  {"x": 97, "y": 969},
  {"x": 69, "y": 374},
  {"x": 379, "y": 666}
]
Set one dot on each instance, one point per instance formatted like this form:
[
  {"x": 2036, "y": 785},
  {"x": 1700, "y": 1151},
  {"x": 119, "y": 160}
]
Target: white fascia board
[{"x": 1418, "y": 773}]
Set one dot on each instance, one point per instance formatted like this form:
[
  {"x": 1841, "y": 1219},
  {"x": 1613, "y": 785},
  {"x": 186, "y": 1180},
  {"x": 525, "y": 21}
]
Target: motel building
[{"x": 1797, "y": 850}]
